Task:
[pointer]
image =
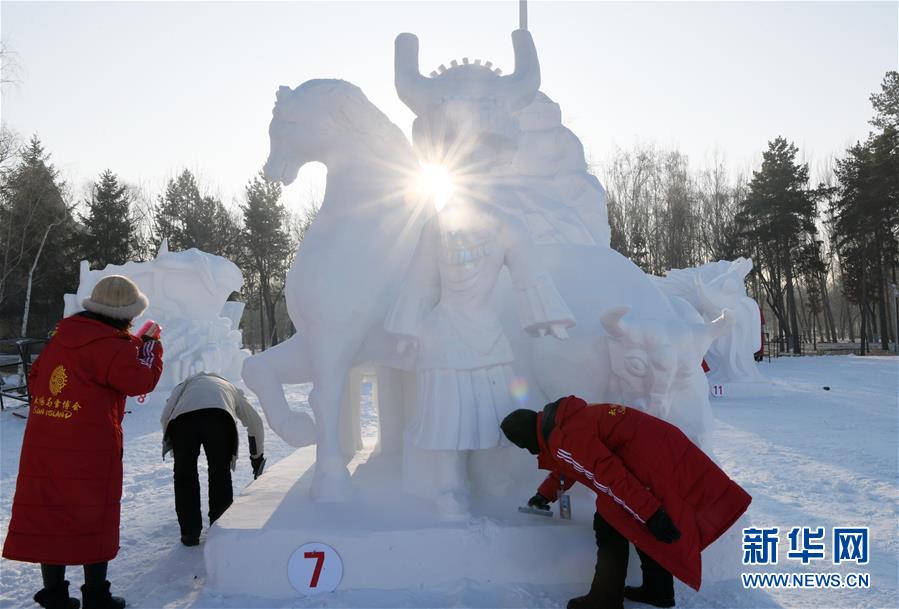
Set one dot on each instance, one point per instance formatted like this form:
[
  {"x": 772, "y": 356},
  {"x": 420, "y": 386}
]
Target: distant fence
[{"x": 779, "y": 346}]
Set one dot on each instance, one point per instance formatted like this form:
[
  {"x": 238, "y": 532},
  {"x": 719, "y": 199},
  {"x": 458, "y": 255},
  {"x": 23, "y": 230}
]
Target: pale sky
[{"x": 146, "y": 89}]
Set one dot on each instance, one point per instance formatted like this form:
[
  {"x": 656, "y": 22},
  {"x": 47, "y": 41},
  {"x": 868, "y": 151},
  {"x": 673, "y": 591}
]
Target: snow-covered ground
[{"x": 809, "y": 457}]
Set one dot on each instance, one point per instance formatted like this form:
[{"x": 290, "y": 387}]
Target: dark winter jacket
[
  {"x": 636, "y": 463},
  {"x": 68, "y": 493}
]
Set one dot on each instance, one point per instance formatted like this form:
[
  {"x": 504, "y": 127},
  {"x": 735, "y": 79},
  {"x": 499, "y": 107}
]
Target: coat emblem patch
[{"x": 58, "y": 380}]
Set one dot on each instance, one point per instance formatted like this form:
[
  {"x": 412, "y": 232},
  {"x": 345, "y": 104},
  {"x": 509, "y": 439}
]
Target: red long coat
[
  {"x": 636, "y": 463},
  {"x": 68, "y": 493}
]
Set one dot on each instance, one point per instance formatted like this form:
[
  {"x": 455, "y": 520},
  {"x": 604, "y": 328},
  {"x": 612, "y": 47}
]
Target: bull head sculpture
[
  {"x": 469, "y": 105},
  {"x": 652, "y": 357}
]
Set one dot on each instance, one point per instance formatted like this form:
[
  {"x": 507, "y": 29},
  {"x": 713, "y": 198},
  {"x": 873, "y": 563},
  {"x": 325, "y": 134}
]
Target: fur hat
[{"x": 117, "y": 297}]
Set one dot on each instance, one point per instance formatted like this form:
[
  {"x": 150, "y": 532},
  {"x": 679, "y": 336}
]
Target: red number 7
[{"x": 319, "y": 561}]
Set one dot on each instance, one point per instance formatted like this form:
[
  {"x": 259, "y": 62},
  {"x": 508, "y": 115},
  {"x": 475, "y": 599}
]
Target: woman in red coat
[
  {"x": 653, "y": 486},
  {"x": 68, "y": 493}
]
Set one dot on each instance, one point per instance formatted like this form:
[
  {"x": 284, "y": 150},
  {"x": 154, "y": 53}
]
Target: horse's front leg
[
  {"x": 266, "y": 374},
  {"x": 332, "y": 353}
]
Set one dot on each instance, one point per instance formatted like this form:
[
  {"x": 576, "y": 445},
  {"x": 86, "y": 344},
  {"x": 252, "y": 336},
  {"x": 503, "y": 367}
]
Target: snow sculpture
[
  {"x": 709, "y": 289},
  {"x": 349, "y": 270},
  {"x": 188, "y": 292},
  {"x": 464, "y": 357}
]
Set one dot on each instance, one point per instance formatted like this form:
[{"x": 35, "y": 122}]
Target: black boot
[
  {"x": 597, "y": 598},
  {"x": 190, "y": 540},
  {"x": 589, "y": 600},
  {"x": 647, "y": 596},
  {"x": 56, "y": 598},
  {"x": 658, "y": 584},
  {"x": 606, "y": 591},
  {"x": 98, "y": 597}
]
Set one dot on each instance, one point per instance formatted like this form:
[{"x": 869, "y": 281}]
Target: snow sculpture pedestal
[{"x": 388, "y": 540}]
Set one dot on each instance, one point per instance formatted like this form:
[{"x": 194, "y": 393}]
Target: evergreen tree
[
  {"x": 865, "y": 221},
  {"x": 776, "y": 218},
  {"x": 109, "y": 236},
  {"x": 886, "y": 103},
  {"x": 267, "y": 246},
  {"x": 189, "y": 219},
  {"x": 36, "y": 243},
  {"x": 865, "y": 215}
]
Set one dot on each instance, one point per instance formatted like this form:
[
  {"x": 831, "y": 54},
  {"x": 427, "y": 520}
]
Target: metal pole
[{"x": 523, "y": 14}]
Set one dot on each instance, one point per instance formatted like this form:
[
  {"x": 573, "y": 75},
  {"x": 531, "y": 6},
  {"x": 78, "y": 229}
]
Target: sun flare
[{"x": 436, "y": 183}]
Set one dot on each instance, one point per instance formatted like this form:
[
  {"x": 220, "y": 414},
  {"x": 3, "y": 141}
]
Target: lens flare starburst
[{"x": 435, "y": 182}]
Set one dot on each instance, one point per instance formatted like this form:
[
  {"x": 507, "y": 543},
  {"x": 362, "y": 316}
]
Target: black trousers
[
  {"x": 213, "y": 429},
  {"x": 612, "y": 555},
  {"x": 55, "y": 575}
]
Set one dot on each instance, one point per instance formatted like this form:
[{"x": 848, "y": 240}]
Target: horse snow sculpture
[
  {"x": 349, "y": 268},
  {"x": 351, "y": 262}
]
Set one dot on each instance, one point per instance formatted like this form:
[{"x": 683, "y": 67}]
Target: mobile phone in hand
[{"x": 150, "y": 329}]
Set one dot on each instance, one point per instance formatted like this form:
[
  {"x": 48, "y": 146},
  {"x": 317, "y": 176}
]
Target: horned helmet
[{"x": 469, "y": 106}]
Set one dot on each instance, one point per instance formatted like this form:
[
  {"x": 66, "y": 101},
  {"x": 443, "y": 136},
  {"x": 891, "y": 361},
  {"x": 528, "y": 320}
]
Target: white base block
[{"x": 388, "y": 540}]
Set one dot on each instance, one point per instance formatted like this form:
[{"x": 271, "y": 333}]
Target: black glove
[
  {"x": 539, "y": 501},
  {"x": 258, "y": 465},
  {"x": 660, "y": 525}
]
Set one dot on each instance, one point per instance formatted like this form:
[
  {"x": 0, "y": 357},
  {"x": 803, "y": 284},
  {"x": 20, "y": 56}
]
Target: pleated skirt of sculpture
[{"x": 461, "y": 409}]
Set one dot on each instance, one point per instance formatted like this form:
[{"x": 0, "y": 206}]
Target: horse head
[{"x": 327, "y": 119}]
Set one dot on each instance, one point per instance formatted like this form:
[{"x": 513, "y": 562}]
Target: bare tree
[
  {"x": 9, "y": 65},
  {"x": 37, "y": 258}
]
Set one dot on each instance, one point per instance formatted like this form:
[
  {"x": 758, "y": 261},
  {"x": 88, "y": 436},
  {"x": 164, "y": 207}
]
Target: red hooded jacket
[
  {"x": 636, "y": 463},
  {"x": 68, "y": 493}
]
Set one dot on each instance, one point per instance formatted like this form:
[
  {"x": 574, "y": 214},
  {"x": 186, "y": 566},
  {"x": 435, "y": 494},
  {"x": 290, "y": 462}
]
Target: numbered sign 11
[
  {"x": 718, "y": 391},
  {"x": 315, "y": 568}
]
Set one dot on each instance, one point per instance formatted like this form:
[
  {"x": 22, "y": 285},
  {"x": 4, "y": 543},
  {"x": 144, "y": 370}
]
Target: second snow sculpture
[
  {"x": 709, "y": 289},
  {"x": 188, "y": 294}
]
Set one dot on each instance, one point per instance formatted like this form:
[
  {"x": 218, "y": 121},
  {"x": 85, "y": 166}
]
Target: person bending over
[
  {"x": 654, "y": 488},
  {"x": 202, "y": 411}
]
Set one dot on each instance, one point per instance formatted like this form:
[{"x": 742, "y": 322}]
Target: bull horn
[
  {"x": 411, "y": 86},
  {"x": 612, "y": 322},
  {"x": 520, "y": 87}
]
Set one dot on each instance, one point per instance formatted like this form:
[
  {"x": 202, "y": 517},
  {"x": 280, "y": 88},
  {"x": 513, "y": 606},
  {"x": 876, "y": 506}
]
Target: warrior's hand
[{"x": 559, "y": 331}]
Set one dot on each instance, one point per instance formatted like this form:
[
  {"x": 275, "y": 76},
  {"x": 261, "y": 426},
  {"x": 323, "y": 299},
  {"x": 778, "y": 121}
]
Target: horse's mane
[{"x": 351, "y": 112}]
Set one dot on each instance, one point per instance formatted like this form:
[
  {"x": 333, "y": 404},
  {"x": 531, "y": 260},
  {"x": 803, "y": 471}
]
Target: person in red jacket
[
  {"x": 653, "y": 486},
  {"x": 68, "y": 493}
]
